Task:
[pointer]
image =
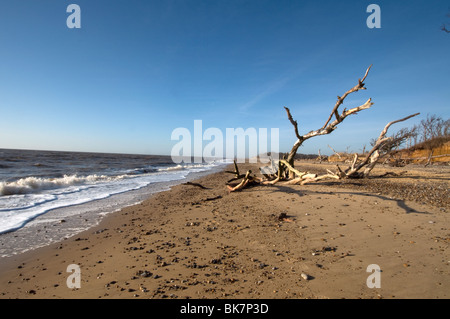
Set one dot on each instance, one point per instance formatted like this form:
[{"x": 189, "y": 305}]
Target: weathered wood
[
  {"x": 292, "y": 169},
  {"x": 247, "y": 180},
  {"x": 374, "y": 154},
  {"x": 353, "y": 171},
  {"x": 236, "y": 173},
  {"x": 429, "y": 159},
  {"x": 196, "y": 184},
  {"x": 359, "y": 86},
  {"x": 278, "y": 178},
  {"x": 212, "y": 198},
  {"x": 286, "y": 169},
  {"x": 339, "y": 155},
  {"x": 329, "y": 126}
]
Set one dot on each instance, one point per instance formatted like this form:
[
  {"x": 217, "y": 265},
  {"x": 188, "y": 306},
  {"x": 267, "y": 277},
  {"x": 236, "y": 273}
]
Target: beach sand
[{"x": 208, "y": 243}]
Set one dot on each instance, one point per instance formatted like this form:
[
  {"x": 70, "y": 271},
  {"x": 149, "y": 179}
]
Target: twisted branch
[{"x": 328, "y": 127}]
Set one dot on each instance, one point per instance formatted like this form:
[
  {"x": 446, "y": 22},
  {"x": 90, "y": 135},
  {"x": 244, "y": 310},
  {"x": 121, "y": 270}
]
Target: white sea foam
[
  {"x": 33, "y": 184},
  {"x": 30, "y": 185},
  {"x": 27, "y": 198}
]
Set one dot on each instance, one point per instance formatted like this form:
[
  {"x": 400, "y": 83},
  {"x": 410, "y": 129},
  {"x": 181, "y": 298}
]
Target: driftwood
[
  {"x": 320, "y": 158},
  {"x": 374, "y": 154},
  {"x": 212, "y": 198},
  {"x": 429, "y": 159},
  {"x": 354, "y": 170},
  {"x": 196, "y": 184},
  {"x": 247, "y": 179},
  {"x": 329, "y": 126},
  {"x": 357, "y": 169},
  {"x": 339, "y": 155}
]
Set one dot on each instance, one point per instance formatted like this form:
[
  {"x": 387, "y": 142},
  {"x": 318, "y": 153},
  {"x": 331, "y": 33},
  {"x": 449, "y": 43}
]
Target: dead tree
[
  {"x": 355, "y": 170},
  {"x": 328, "y": 127},
  {"x": 374, "y": 154},
  {"x": 286, "y": 168}
]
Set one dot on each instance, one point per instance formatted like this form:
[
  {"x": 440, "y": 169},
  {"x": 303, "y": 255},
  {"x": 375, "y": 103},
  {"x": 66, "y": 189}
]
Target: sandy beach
[{"x": 265, "y": 242}]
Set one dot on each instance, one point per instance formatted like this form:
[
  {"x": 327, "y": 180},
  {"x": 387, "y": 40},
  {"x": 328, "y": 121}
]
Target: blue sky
[{"x": 136, "y": 70}]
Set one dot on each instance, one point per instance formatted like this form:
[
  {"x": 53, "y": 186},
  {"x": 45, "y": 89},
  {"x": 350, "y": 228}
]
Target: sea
[{"x": 47, "y": 196}]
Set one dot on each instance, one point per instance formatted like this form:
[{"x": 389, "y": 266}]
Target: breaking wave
[
  {"x": 34, "y": 185},
  {"x": 30, "y": 185},
  {"x": 24, "y": 199}
]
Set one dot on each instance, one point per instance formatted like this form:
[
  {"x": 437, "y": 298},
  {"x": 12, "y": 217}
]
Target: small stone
[
  {"x": 305, "y": 276},
  {"x": 144, "y": 273},
  {"x": 143, "y": 289}
]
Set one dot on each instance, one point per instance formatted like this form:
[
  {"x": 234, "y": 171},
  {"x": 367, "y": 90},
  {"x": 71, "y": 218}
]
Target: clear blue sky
[{"x": 136, "y": 70}]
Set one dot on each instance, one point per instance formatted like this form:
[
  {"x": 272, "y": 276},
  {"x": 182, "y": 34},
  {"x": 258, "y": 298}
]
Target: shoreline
[
  {"x": 67, "y": 221},
  {"x": 207, "y": 243}
]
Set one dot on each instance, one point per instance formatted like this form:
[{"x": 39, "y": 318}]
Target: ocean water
[{"x": 46, "y": 196}]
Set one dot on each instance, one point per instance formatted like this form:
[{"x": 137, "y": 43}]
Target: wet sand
[{"x": 208, "y": 243}]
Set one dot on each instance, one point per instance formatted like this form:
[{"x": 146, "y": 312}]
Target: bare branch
[
  {"x": 359, "y": 86},
  {"x": 329, "y": 127},
  {"x": 242, "y": 184},
  {"x": 383, "y": 133},
  {"x": 294, "y": 123},
  {"x": 196, "y": 184},
  {"x": 380, "y": 148},
  {"x": 370, "y": 161},
  {"x": 374, "y": 153},
  {"x": 335, "y": 152},
  {"x": 298, "y": 173},
  {"x": 332, "y": 126},
  {"x": 327, "y": 130}
]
